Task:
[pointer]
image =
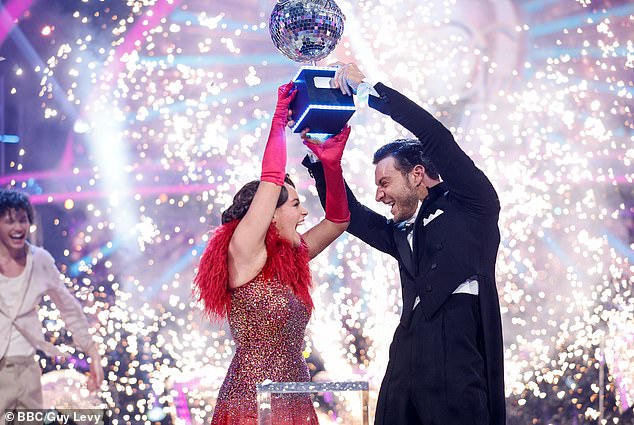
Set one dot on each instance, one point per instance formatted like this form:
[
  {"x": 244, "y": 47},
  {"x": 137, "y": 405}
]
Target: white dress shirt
[{"x": 12, "y": 290}]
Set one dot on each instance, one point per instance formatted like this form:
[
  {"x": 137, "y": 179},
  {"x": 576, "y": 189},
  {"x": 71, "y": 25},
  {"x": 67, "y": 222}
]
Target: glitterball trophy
[{"x": 307, "y": 31}]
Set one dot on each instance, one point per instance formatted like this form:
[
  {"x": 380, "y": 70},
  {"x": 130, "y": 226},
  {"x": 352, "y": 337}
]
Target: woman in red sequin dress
[{"x": 255, "y": 272}]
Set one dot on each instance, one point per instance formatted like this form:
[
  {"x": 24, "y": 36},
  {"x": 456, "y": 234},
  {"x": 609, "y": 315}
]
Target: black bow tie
[{"x": 406, "y": 227}]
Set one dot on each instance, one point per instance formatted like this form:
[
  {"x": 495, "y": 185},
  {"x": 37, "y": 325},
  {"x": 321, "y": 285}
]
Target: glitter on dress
[{"x": 267, "y": 321}]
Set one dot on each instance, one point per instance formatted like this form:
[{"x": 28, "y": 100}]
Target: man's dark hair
[
  {"x": 408, "y": 153},
  {"x": 13, "y": 200}
]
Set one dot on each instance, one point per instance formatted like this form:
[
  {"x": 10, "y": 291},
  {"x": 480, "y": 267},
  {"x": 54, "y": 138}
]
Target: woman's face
[{"x": 290, "y": 215}]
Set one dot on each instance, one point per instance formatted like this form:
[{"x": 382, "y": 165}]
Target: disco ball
[{"x": 306, "y": 30}]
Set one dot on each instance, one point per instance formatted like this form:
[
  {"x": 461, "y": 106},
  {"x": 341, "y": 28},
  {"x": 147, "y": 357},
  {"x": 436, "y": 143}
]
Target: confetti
[{"x": 160, "y": 109}]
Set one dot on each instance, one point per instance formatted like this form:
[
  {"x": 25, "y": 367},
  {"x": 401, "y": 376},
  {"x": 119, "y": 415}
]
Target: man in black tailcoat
[{"x": 446, "y": 360}]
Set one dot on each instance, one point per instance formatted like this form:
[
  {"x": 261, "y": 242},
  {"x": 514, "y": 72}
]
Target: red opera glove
[
  {"x": 274, "y": 158},
  {"x": 330, "y": 153}
]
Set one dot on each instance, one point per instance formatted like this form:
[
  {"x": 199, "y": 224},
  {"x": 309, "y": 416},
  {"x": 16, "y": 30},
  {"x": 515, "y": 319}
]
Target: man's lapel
[
  {"x": 434, "y": 193},
  {"x": 404, "y": 250}
]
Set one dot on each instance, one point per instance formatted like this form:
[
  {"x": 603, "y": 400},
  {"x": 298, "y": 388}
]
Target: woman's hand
[
  {"x": 274, "y": 158},
  {"x": 330, "y": 151},
  {"x": 285, "y": 95}
]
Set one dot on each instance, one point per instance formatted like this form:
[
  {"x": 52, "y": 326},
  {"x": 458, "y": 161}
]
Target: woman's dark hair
[
  {"x": 242, "y": 200},
  {"x": 13, "y": 200},
  {"x": 408, "y": 153}
]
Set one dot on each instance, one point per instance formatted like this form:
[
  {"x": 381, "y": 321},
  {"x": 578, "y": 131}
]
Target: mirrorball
[{"x": 306, "y": 30}]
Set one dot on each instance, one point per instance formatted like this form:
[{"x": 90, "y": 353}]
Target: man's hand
[
  {"x": 96, "y": 371},
  {"x": 347, "y": 78}
]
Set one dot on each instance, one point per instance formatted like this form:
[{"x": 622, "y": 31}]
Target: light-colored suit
[{"x": 42, "y": 278}]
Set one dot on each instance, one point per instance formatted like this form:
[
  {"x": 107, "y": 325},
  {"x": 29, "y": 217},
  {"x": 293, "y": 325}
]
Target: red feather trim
[
  {"x": 289, "y": 263},
  {"x": 210, "y": 283}
]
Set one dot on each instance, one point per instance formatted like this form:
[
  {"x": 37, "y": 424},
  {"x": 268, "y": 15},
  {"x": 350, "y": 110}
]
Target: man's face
[
  {"x": 395, "y": 189},
  {"x": 14, "y": 229}
]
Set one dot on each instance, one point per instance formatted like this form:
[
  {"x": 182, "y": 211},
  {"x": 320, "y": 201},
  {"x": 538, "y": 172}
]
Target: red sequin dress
[{"x": 268, "y": 318}]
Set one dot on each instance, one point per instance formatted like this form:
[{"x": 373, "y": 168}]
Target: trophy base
[
  {"x": 323, "y": 110},
  {"x": 346, "y": 400}
]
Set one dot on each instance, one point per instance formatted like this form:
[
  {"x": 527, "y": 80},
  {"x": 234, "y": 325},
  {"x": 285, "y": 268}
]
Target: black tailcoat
[{"x": 456, "y": 235}]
